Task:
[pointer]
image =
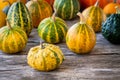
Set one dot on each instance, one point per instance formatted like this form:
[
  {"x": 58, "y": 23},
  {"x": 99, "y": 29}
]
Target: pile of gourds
[{"x": 19, "y": 17}]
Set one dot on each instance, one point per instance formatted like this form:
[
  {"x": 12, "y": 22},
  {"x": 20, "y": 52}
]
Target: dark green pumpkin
[
  {"x": 67, "y": 9},
  {"x": 18, "y": 15},
  {"x": 111, "y": 29}
]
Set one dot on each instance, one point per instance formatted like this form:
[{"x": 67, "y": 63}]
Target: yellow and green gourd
[
  {"x": 52, "y": 29},
  {"x": 80, "y": 37},
  {"x": 94, "y": 16},
  {"x": 18, "y": 15},
  {"x": 45, "y": 57},
  {"x": 12, "y": 40}
]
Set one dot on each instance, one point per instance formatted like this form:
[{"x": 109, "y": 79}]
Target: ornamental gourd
[
  {"x": 111, "y": 28},
  {"x": 67, "y": 9},
  {"x": 45, "y": 57},
  {"x": 81, "y": 38},
  {"x": 2, "y": 18},
  {"x": 39, "y": 10},
  {"x": 94, "y": 16},
  {"x": 18, "y": 15},
  {"x": 12, "y": 40},
  {"x": 52, "y": 29}
]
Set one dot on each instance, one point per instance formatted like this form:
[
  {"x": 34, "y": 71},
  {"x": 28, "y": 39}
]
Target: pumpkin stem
[
  {"x": 41, "y": 45},
  {"x": 54, "y": 14},
  {"x": 82, "y": 19},
  {"x": 8, "y": 24},
  {"x": 117, "y": 9},
  {"x": 97, "y": 3}
]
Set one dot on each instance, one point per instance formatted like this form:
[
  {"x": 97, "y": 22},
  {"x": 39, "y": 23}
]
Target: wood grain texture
[{"x": 103, "y": 63}]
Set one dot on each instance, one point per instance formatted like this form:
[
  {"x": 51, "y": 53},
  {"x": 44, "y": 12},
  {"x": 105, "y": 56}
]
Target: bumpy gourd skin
[
  {"x": 111, "y": 29},
  {"x": 45, "y": 59}
]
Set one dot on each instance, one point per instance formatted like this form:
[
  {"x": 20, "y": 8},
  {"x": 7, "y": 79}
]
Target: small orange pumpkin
[{"x": 110, "y": 8}]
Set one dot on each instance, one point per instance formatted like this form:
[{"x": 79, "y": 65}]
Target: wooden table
[{"x": 103, "y": 63}]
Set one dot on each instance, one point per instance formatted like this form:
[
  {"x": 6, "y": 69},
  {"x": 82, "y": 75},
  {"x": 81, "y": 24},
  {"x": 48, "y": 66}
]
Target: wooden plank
[{"x": 83, "y": 67}]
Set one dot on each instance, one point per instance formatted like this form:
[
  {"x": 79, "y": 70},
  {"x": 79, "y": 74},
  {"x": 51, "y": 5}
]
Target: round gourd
[
  {"x": 2, "y": 19},
  {"x": 80, "y": 37},
  {"x": 45, "y": 57},
  {"x": 39, "y": 10},
  {"x": 52, "y": 29},
  {"x": 111, "y": 28},
  {"x": 67, "y": 9},
  {"x": 18, "y": 15},
  {"x": 94, "y": 16},
  {"x": 12, "y": 40}
]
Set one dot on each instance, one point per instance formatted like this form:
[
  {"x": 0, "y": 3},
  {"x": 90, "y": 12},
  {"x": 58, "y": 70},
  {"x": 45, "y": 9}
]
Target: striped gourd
[
  {"x": 94, "y": 16},
  {"x": 80, "y": 37},
  {"x": 18, "y": 15},
  {"x": 67, "y": 9},
  {"x": 45, "y": 57},
  {"x": 39, "y": 10},
  {"x": 52, "y": 29},
  {"x": 12, "y": 40}
]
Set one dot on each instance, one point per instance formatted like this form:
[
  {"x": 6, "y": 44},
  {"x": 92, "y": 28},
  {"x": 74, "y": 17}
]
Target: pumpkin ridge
[
  {"x": 20, "y": 15},
  {"x": 57, "y": 58},
  {"x": 4, "y": 42},
  {"x": 44, "y": 61},
  {"x": 71, "y": 9},
  {"x": 63, "y": 29}
]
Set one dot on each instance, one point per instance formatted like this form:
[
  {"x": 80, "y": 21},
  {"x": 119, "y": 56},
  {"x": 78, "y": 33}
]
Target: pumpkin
[
  {"x": 18, "y": 15},
  {"x": 81, "y": 38},
  {"x": 12, "y": 40},
  {"x": 87, "y": 3},
  {"x": 110, "y": 8},
  {"x": 94, "y": 16},
  {"x": 52, "y": 29},
  {"x": 4, "y": 3},
  {"x": 45, "y": 57},
  {"x": 67, "y": 9},
  {"x": 111, "y": 28},
  {"x": 39, "y": 10},
  {"x": 2, "y": 19}
]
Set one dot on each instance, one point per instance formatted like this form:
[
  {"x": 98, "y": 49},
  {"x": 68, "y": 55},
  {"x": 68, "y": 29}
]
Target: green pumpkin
[
  {"x": 52, "y": 29},
  {"x": 67, "y": 9},
  {"x": 12, "y": 40},
  {"x": 18, "y": 15},
  {"x": 111, "y": 28}
]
